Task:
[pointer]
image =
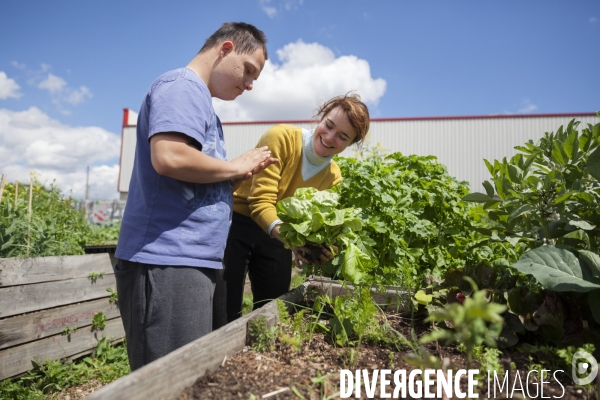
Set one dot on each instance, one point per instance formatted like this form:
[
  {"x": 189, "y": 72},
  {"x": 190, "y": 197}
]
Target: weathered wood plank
[
  {"x": 166, "y": 377},
  {"x": 394, "y": 298},
  {"x": 18, "y": 359},
  {"x": 23, "y": 271},
  {"x": 37, "y": 325},
  {"x": 16, "y": 300}
]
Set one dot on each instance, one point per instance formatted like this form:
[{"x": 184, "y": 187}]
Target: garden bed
[
  {"x": 222, "y": 365},
  {"x": 314, "y": 373}
]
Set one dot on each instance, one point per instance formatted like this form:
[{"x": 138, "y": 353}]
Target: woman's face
[{"x": 333, "y": 134}]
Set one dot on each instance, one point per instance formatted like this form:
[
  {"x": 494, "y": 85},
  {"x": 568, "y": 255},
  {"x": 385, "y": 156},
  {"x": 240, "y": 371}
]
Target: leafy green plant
[
  {"x": 67, "y": 331},
  {"x": 488, "y": 358},
  {"x": 104, "y": 234},
  {"x": 472, "y": 323},
  {"x": 109, "y": 361},
  {"x": 314, "y": 217},
  {"x": 99, "y": 321},
  {"x": 503, "y": 285},
  {"x": 113, "y": 298},
  {"x": 95, "y": 275},
  {"x": 547, "y": 199},
  {"x": 263, "y": 337},
  {"x": 411, "y": 210},
  {"x": 54, "y": 376},
  {"x": 54, "y": 227},
  {"x": 292, "y": 331},
  {"x": 548, "y": 191}
]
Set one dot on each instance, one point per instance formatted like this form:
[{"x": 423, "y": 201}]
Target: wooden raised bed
[
  {"x": 168, "y": 376},
  {"x": 40, "y": 297}
]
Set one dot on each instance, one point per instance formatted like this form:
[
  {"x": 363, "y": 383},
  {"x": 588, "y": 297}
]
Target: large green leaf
[
  {"x": 593, "y": 301},
  {"x": 558, "y": 154},
  {"x": 590, "y": 266},
  {"x": 489, "y": 189},
  {"x": 478, "y": 198},
  {"x": 593, "y": 164},
  {"x": 571, "y": 145},
  {"x": 525, "y": 208},
  {"x": 555, "y": 268},
  {"x": 355, "y": 263}
]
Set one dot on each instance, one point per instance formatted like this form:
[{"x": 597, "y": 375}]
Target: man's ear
[{"x": 226, "y": 48}]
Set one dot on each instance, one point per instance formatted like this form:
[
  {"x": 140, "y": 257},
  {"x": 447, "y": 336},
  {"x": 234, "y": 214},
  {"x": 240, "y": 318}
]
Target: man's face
[{"x": 235, "y": 73}]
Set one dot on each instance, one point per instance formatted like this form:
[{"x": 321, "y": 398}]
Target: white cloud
[
  {"x": 289, "y": 5},
  {"x": 31, "y": 141},
  {"x": 77, "y": 96},
  {"x": 593, "y": 20},
  {"x": 53, "y": 84},
  {"x": 17, "y": 65},
  {"x": 270, "y": 11},
  {"x": 527, "y": 107},
  {"x": 286, "y": 5},
  {"x": 308, "y": 74},
  {"x": 8, "y": 87},
  {"x": 60, "y": 90}
]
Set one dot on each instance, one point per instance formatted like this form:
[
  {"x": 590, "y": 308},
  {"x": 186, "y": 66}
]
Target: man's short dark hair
[{"x": 245, "y": 37}]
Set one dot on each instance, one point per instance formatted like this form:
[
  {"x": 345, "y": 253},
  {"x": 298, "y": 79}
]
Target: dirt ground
[
  {"x": 78, "y": 392},
  {"x": 314, "y": 373}
]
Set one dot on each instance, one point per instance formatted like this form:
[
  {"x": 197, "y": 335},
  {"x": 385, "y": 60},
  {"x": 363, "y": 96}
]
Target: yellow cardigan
[{"x": 256, "y": 197}]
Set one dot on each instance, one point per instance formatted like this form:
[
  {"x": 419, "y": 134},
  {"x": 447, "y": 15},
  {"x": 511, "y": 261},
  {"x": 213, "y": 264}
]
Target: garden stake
[
  {"x": 29, "y": 214},
  {"x": 2, "y": 185}
]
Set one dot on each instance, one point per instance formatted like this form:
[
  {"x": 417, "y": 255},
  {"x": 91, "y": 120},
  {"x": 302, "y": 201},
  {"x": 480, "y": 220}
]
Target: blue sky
[{"x": 68, "y": 68}]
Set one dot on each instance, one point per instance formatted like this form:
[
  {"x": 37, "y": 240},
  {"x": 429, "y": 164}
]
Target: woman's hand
[{"x": 301, "y": 253}]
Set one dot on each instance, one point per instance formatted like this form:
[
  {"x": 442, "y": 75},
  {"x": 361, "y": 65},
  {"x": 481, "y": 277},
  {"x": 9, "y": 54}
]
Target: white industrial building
[{"x": 460, "y": 143}]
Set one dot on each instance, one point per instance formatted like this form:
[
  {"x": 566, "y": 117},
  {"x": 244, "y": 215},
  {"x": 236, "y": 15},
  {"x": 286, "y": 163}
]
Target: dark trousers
[
  {"x": 250, "y": 251},
  {"x": 162, "y": 307}
]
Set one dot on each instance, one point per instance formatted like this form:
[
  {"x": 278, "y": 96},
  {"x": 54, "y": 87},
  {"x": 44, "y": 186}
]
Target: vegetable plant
[
  {"x": 471, "y": 323},
  {"x": 546, "y": 199},
  {"x": 53, "y": 228},
  {"x": 412, "y": 211},
  {"x": 315, "y": 217}
]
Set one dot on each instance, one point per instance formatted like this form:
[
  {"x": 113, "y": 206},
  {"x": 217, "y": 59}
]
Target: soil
[
  {"x": 79, "y": 391},
  {"x": 313, "y": 255},
  {"x": 314, "y": 372}
]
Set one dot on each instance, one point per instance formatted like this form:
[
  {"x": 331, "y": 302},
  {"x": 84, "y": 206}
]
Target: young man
[{"x": 179, "y": 208}]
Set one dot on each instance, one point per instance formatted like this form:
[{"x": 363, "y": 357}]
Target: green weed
[
  {"x": 107, "y": 364},
  {"x": 99, "y": 321},
  {"x": 262, "y": 336}
]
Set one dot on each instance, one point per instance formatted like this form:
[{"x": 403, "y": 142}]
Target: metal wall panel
[
  {"x": 240, "y": 138},
  {"x": 459, "y": 144},
  {"x": 127, "y": 157}
]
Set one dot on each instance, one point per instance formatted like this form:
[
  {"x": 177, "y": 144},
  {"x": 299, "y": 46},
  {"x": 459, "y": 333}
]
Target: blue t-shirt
[{"x": 167, "y": 221}]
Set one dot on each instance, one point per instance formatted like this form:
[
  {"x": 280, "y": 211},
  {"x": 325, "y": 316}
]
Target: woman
[{"x": 305, "y": 160}]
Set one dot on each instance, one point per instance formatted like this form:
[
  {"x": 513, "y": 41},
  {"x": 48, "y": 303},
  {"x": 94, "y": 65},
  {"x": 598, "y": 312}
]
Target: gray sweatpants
[{"x": 162, "y": 307}]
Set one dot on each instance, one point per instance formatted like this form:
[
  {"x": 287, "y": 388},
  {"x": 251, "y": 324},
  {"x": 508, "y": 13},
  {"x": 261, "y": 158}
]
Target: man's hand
[
  {"x": 253, "y": 161},
  {"x": 257, "y": 159}
]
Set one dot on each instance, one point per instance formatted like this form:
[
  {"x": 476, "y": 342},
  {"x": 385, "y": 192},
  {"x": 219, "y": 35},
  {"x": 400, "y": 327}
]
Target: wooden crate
[
  {"x": 40, "y": 297},
  {"x": 168, "y": 376}
]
